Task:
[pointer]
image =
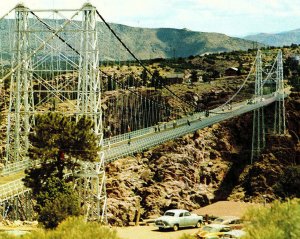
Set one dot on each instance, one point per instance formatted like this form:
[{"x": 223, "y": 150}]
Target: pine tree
[{"x": 58, "y": 144}]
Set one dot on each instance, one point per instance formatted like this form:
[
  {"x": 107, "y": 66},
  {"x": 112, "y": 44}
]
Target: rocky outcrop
[
  {"x": 180, "y": 174},
  {"x": 211, "y": 164}
]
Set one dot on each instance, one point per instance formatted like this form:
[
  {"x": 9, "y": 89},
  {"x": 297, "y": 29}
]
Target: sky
[{"x": 231, "y": 17}]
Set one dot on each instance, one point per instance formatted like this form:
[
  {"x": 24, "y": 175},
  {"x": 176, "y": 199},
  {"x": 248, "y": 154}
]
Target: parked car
[
  {"x": 178, "y": 218},
  {"x": 232, "y": 221},
  {"x": 235, "y": 234},
  {"x": 212, "y": 230}
]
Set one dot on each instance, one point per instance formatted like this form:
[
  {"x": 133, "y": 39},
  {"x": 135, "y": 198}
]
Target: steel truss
[
  {"x": 18, "y": 207},
  {"x": 279, "y": 122},
  {"x": 258, "y": 131},
  {"x": 92, "y": 180}
]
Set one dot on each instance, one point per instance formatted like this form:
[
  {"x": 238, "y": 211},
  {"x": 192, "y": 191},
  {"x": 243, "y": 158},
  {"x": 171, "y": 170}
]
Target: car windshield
[
  {"x": 171, "y": 214},
  {"x": 218, "y": 220},
  {"x": 210, "y": 229}
]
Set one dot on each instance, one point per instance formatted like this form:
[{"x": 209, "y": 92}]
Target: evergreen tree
[
  {"x": 144, "y": 77},
  {"x": 59, "y": 143},
  {"x": 194, "y": 76}
]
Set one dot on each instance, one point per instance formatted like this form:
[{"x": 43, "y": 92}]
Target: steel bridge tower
[
  {"x": 91, "y": 181},
  {"x": 258, "y": 131},
  {"x": 279, "y": 123},
  {"x": 21, "y": 102},
  {"x": 47, "y": 69}
]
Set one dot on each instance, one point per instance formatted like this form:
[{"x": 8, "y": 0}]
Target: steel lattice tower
[
  {"x": 258, "y": 131},
  {"x": 21, "y": 102},
  {"x": 58, "y": 66},
  {"x": 279, "y": 123},
  {"x": 92, "y": 178}
]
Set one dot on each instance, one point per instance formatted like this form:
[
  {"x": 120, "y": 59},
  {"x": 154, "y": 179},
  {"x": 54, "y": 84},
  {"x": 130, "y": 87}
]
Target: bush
[
  {"x": 280, "y": 220},
  {"x": 73, "y": 227},
  {"x": 186, "y": 236}
]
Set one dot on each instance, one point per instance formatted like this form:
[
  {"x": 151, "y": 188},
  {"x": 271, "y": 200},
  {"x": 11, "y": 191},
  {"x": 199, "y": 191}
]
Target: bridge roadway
[
  {"x": 149, "y": 137},
  {"x": 143, "y": 139}
]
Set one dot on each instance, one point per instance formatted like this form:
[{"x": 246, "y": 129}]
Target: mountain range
[
  {"x": 170, "y": 42},
  {"x": 145, "y": 43},
  {"x": 277, "y": 39}
]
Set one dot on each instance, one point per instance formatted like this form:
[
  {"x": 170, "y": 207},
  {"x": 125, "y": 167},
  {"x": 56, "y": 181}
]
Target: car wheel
[
  {"x": 160, "y": 228},
  {"x": 175, "y": 227},
  {"x": 198, "y": 224}
]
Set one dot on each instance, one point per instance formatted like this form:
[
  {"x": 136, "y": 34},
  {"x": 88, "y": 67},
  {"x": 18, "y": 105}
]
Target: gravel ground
[{"x": 151, "y": 232}]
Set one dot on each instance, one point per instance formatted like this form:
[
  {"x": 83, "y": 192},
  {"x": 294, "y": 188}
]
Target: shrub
[
  {"x": 186, "y": 236},
  {"x": 73, "y": 227},
  {"x": 280, "y": 220}
]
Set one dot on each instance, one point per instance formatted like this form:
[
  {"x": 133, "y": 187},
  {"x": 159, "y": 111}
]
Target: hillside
[
  {"x": 145, "y": 42},
  {"x": 277, "y": 39},
  {"x": 169, "y": 43}
]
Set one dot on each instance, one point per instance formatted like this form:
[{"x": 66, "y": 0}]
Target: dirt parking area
[
  {"x": 221, "y": 208},
  {"x": 151, "y": 232}
]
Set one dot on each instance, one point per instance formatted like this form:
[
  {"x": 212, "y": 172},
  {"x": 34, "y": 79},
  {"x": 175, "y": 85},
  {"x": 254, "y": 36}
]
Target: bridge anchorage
[{"x": 56, "y": 66}]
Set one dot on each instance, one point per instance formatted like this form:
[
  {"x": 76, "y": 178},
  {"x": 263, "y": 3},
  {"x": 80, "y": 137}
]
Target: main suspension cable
[{"x": 131, "y": 53}]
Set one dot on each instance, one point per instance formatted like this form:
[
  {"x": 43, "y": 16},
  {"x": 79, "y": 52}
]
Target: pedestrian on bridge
[
  {"x": 129, "y": 139},
  {"x": 129, "y": 134},
  {"x": 109, "y": 139},
  {"x": 188, "y": 122}
]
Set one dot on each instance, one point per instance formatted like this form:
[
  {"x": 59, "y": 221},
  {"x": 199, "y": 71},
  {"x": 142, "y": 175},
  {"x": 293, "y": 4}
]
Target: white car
[
  {"x": 177, "y": 218},
  {"x": 233, "y": 221},
  {"x": 235, "y": 234}
]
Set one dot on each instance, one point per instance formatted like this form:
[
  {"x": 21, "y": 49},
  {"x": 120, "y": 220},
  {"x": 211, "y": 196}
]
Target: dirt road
[{"x": 151, "y": 232}]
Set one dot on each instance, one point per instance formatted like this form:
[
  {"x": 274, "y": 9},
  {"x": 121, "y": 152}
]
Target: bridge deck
[{"x": 151, "y": 137}]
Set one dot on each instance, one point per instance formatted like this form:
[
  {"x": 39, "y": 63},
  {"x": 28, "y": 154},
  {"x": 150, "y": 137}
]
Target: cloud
[{"x": 234, "y": 17}]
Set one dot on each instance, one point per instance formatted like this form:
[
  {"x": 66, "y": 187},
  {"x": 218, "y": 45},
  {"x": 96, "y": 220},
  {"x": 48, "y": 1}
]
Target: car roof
[
  {"x": 228, "y": 217},
  {"x": 176, "y": 210}
]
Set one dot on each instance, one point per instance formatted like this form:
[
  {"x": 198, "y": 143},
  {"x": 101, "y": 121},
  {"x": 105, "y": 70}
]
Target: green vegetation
[
  {"x": 73, "y": 227},
  {"x": 56, "y": 201},
  {"x": 280, "y": 220},
  {"x": 58, "y": 144},
  {"x": 187, "y": 236}
]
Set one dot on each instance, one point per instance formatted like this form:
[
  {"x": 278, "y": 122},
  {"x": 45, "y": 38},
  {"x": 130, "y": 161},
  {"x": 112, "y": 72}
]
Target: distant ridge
[
  {"x": 162, "y": 42},
  {"x": 277, "y": 39}
]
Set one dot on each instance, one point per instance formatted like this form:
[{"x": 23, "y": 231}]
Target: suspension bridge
[{"x": 69, "y": 61}]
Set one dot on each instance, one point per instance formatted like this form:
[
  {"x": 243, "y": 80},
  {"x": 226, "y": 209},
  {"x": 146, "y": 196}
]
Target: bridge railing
[
  {"x": 143, "y": 143},
  {"x": 12, "y": 189},
  {"x": 15, "y": 167}
]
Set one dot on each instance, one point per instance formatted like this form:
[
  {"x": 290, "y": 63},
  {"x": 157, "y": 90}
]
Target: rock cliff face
[{"x": 211, "y": 164}]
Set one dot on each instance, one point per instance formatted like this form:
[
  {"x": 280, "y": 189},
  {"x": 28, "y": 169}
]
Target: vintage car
[
  {"x": 178, "y": 218},
  {"x": 235, "y": 234},
  {"x": 232, "y": 221},
  {"x": 212, "y": 230}
]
